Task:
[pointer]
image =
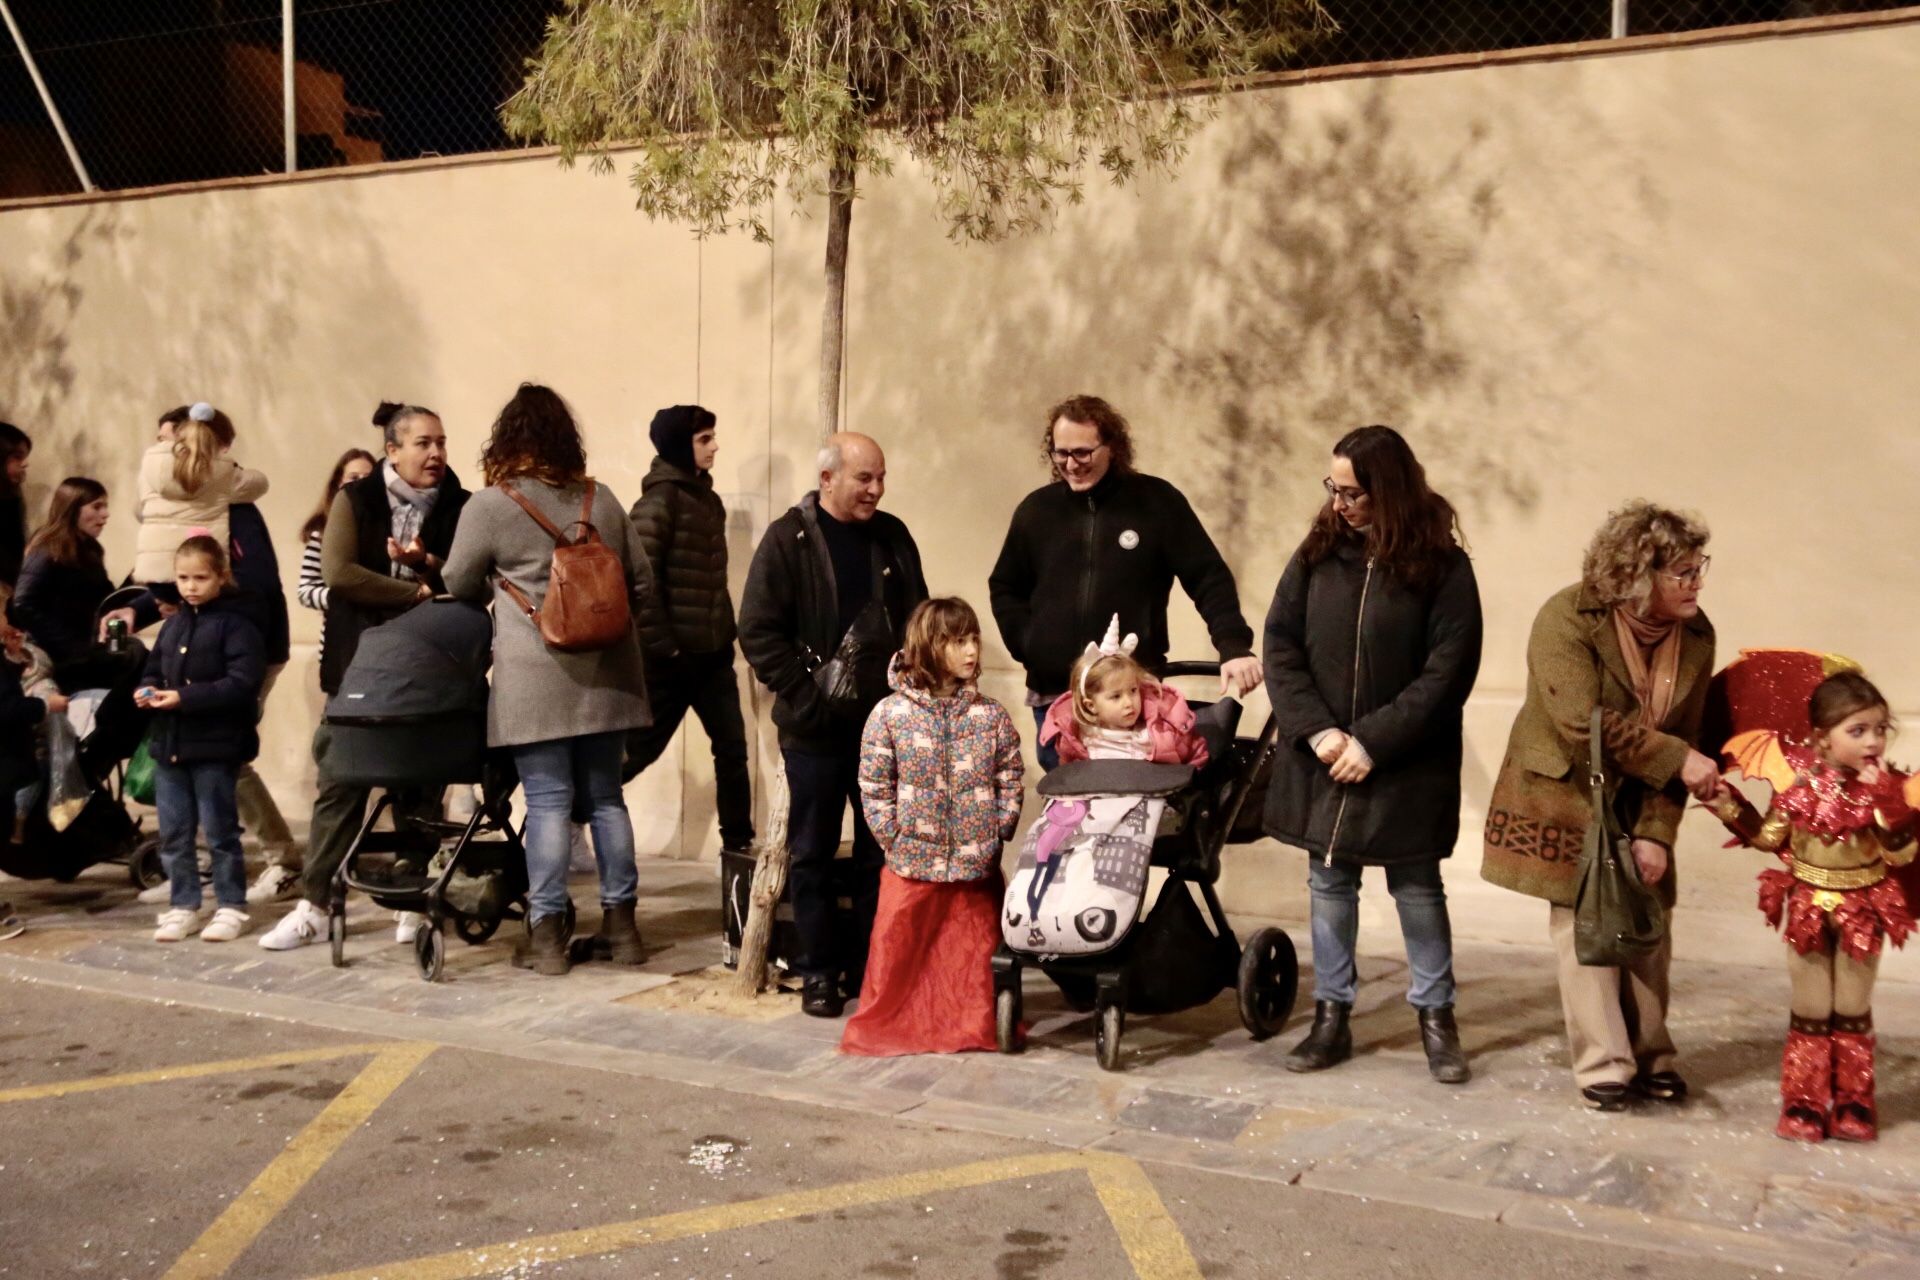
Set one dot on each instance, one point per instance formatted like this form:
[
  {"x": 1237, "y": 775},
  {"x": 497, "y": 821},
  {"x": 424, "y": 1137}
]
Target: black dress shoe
[
  {"x": 1439, "y": 1035},
  {"x": 1607, "y": 1096},
  {"x": 1328, "y": 1043},
  {"x": 1661, "y": 1086},
  {"x": 820, "y": 998}
]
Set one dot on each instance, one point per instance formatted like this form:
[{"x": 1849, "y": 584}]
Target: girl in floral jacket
[{"x": 940, "y": 783}]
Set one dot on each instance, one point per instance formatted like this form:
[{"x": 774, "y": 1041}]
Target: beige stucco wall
[{"x": 1684, "y": 274}]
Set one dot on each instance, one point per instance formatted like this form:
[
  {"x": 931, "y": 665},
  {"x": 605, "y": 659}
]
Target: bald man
[{"x": 833, "y": 570}]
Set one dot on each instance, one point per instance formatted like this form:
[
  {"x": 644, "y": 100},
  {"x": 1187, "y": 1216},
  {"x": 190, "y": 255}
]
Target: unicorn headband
[{"x": 1110, "y": 646}]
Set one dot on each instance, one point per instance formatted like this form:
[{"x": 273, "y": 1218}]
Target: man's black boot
[
  {"x": 1440, "y": 1036},
  {"x": 1329, "y": 1042},
  {"x": 820, "y": 998}
]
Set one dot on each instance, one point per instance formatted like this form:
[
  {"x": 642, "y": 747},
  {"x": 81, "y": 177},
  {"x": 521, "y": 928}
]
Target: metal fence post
[
  {"x": 1619, "y": 19},
  {"x": 286, "y": 84},
  {"x": 46, "y": 98}
]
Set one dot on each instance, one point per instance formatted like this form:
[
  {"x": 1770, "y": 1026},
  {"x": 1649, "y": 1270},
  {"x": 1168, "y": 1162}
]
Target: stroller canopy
[{"x": 430, "y": 661}]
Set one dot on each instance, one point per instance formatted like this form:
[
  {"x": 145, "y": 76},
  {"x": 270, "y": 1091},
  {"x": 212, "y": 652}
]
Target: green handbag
[
  {"x": 137, "y": 783},
  {"x": 1618, "y": 919}
]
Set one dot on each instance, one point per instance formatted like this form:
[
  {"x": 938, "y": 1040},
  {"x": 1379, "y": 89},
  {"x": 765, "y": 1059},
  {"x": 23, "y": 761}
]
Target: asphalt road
[{"x": 143, "y": 1139}]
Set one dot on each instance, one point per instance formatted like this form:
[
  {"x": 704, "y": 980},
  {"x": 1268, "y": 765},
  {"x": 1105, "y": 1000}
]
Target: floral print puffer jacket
[{"x": 940, "y": 781}]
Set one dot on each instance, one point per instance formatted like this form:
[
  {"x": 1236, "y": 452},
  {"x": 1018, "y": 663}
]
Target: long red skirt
[{"x": 929, "y": 986}]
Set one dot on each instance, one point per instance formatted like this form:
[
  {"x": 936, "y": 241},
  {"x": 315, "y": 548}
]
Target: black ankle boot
[
  {"x": 1329, "y": 1042},
  {"x": 619, "y": 939},
  {"x": 820, "y": 998},
  {"x": 1446, "y": 1061}
]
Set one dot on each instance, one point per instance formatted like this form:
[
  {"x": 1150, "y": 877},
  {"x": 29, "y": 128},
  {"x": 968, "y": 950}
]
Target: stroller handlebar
[{"x": 1174, "y": 670}]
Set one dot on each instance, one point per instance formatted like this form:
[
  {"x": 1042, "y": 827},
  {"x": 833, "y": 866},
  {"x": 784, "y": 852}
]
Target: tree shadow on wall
[
  {"x": 38, "y": 308},
  {"x": 1344, "y": 257}
]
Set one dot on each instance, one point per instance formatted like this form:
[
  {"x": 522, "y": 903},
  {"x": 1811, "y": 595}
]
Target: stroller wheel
[
  {"x": 337, "y": 936},
  {"x": 1268, "y": 981},
  {"x": 1006, "y": 1020},
  {"x": 1110, "y": 1022},
  {"x": 430, "y": 952},
  {"x": 474, "y": 930},
  {"x": 145, "y": 866}
]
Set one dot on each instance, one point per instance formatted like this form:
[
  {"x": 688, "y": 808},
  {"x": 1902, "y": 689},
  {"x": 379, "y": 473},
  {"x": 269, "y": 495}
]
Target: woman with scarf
[
  {"x": 1629, "y": 638},
  {"x": 385, "y": 540}
]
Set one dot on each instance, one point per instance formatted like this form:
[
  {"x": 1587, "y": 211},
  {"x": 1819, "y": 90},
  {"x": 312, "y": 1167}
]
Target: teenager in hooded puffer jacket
[{"x": 688, "y": 632}]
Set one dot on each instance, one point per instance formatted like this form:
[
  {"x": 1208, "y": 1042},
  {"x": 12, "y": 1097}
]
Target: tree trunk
[
  {"x": 833, "y": 314},
  {"x": 769, "y": 879}
]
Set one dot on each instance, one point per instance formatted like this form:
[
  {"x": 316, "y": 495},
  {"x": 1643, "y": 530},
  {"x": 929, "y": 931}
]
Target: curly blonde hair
[{"x": 1635, "y": 542}]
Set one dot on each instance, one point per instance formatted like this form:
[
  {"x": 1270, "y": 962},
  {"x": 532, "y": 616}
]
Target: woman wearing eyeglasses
[
  {"x": 1629, "y": 637},
  {"x": 1372, "y": 646}
]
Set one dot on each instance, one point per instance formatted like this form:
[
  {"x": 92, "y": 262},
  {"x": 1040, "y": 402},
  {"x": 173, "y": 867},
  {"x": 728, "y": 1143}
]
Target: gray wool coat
[{"x": 540, "y": 694}]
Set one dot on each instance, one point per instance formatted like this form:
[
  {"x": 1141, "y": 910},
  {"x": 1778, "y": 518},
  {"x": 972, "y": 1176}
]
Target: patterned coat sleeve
[
  {"x": 880, "y": 777},
  {"x": 1008, "y": 774}
]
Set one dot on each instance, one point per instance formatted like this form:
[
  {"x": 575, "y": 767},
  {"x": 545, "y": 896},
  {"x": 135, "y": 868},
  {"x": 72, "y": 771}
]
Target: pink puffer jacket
[{"x": 1169, "y": 727}]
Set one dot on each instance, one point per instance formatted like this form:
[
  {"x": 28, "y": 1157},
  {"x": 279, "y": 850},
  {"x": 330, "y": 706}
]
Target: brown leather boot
[
  {"x": 619, "y": 938},
  {"x": 545, "y": 949},
  {"x": 1806, "y": 1081},
  {"x": 1853, "y": 1111}
]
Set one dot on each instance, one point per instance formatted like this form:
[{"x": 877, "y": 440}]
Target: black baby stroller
[
  {"x": 102, "y": 830},
  {"x": 1072, "y": 905},
  {"x": 411, "y": 716}
]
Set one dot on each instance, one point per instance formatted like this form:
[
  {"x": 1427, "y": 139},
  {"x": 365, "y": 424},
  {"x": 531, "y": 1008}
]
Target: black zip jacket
[
  {"x": 683, "y": 525},
  {"x": 790, "y": 618},
  {"x": 1073, "y": 560},
  {"x": 214, "y": 657},
  {"x": 1349, "y": 647}
]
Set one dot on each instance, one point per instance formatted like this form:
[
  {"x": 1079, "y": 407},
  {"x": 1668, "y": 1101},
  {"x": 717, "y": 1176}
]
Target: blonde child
[
  {"x": 1114, "y": 710},
  {"x": 186, "y": 483},
  {"x": 203, "y": 682},
  {"x": 940, "y": 784}
]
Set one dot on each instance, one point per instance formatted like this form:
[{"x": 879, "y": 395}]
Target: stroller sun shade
[{"x": 430, "y": 661}]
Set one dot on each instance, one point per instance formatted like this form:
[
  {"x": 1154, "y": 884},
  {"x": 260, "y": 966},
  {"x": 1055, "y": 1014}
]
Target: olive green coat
[{"x": 1540, "y": 808}]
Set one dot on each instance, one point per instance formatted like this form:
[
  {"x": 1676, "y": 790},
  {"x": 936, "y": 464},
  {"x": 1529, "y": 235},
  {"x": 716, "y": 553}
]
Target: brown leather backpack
[{"x": 586, "y": 605}]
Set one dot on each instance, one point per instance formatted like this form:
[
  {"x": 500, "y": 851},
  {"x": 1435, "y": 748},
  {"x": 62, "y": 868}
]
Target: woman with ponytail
[{"x": 188, "y": 483}]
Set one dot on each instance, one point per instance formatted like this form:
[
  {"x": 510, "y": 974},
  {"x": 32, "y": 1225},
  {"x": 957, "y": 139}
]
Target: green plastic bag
[{"x": 139, "y": 778}]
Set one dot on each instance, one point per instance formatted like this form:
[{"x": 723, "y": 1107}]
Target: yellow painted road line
[
  {"x": 189, "y": 1071},
  {"x": 1147, "y": 1231},
  {"x": 221, "y": 1244},
  {"x": 617, "y": 1236},
  {"x": 1152, "y": 1241}
]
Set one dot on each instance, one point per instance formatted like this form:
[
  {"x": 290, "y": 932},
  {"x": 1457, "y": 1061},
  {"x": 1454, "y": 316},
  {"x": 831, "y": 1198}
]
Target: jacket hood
[
  {"x": 664, "y": 472},
  {"x": 965, "y": 696}
]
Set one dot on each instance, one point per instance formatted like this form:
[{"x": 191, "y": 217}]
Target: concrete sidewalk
[{"x": 1514, "y": 1145}]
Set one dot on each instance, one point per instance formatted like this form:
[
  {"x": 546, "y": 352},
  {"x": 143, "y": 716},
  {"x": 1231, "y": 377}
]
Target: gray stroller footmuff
[{"x": 1077, "y": 888}]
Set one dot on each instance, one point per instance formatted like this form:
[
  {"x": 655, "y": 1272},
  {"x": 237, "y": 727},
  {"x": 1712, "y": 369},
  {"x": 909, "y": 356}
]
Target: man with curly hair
[{"x": 1102, "y": 539}]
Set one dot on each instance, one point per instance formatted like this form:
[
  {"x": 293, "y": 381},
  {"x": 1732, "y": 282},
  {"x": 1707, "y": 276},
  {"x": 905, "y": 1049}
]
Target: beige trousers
[{"x": 1616, "y": 1018}]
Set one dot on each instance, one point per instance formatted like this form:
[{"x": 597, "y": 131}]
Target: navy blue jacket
[
  {"x": 257, "y": 569},
  {"x": 215, "y": 658}
]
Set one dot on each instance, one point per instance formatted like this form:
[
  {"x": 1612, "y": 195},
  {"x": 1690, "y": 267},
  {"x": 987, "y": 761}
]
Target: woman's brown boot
[
  {"x": 1853, "y": 1112},
  {"x": 619, "y": 938},
  {"x": 545, "y": 950}
]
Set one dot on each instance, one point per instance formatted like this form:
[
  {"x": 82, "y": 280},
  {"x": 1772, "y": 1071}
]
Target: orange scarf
[{"x": 1652, "y": 651}]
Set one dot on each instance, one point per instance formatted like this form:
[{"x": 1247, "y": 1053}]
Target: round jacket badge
[{"x": 1129, "y": 539}]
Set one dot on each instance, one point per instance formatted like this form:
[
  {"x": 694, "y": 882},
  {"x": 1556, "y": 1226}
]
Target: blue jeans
[
  {"x": 1047, "y": 756},
  {"x": 200, "y": 796},
  {"x": 552, "y": 771},
  {"x": 1421, "y": 899}
]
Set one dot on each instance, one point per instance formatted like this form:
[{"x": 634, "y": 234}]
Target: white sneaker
[
  {"x": 227, "y": 924},
  {"x": 177, "y": 923},
  {"x": 273, "y": 884},
  {"x": 305, "y": 923},
  {"x": 162, "y": 892},
  {"x": 580, "y": 857},
  {"x": 406, "y": 926}
]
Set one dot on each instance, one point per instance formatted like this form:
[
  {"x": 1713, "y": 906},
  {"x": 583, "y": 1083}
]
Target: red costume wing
[{"x": 1766, "y": 690}]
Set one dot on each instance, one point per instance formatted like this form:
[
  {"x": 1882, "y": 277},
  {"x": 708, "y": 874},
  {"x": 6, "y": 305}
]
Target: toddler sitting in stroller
[{"x": 1115, "y": 710}]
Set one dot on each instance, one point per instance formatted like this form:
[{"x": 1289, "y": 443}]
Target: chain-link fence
[{"x": 163, "y": 91}]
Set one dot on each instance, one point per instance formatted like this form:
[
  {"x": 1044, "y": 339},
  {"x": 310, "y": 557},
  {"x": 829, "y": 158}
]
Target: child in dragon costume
[{"x": 1841, "y": 820}]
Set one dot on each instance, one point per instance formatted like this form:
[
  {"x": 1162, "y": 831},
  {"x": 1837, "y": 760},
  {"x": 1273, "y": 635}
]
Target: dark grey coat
[
  {"x": 1350, "y": 647},
  {"x": 540, "y": 694},
  {"x": 683, "y": 525}
]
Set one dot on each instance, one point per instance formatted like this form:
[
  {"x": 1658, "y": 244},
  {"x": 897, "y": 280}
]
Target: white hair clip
[
  {"x": 201, "y": 412},
  {"x": 1110, "y": 646}
]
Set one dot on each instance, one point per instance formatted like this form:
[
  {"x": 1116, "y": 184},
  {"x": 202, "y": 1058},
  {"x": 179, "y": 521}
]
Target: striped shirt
[{"x": 313, "y": 587}]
